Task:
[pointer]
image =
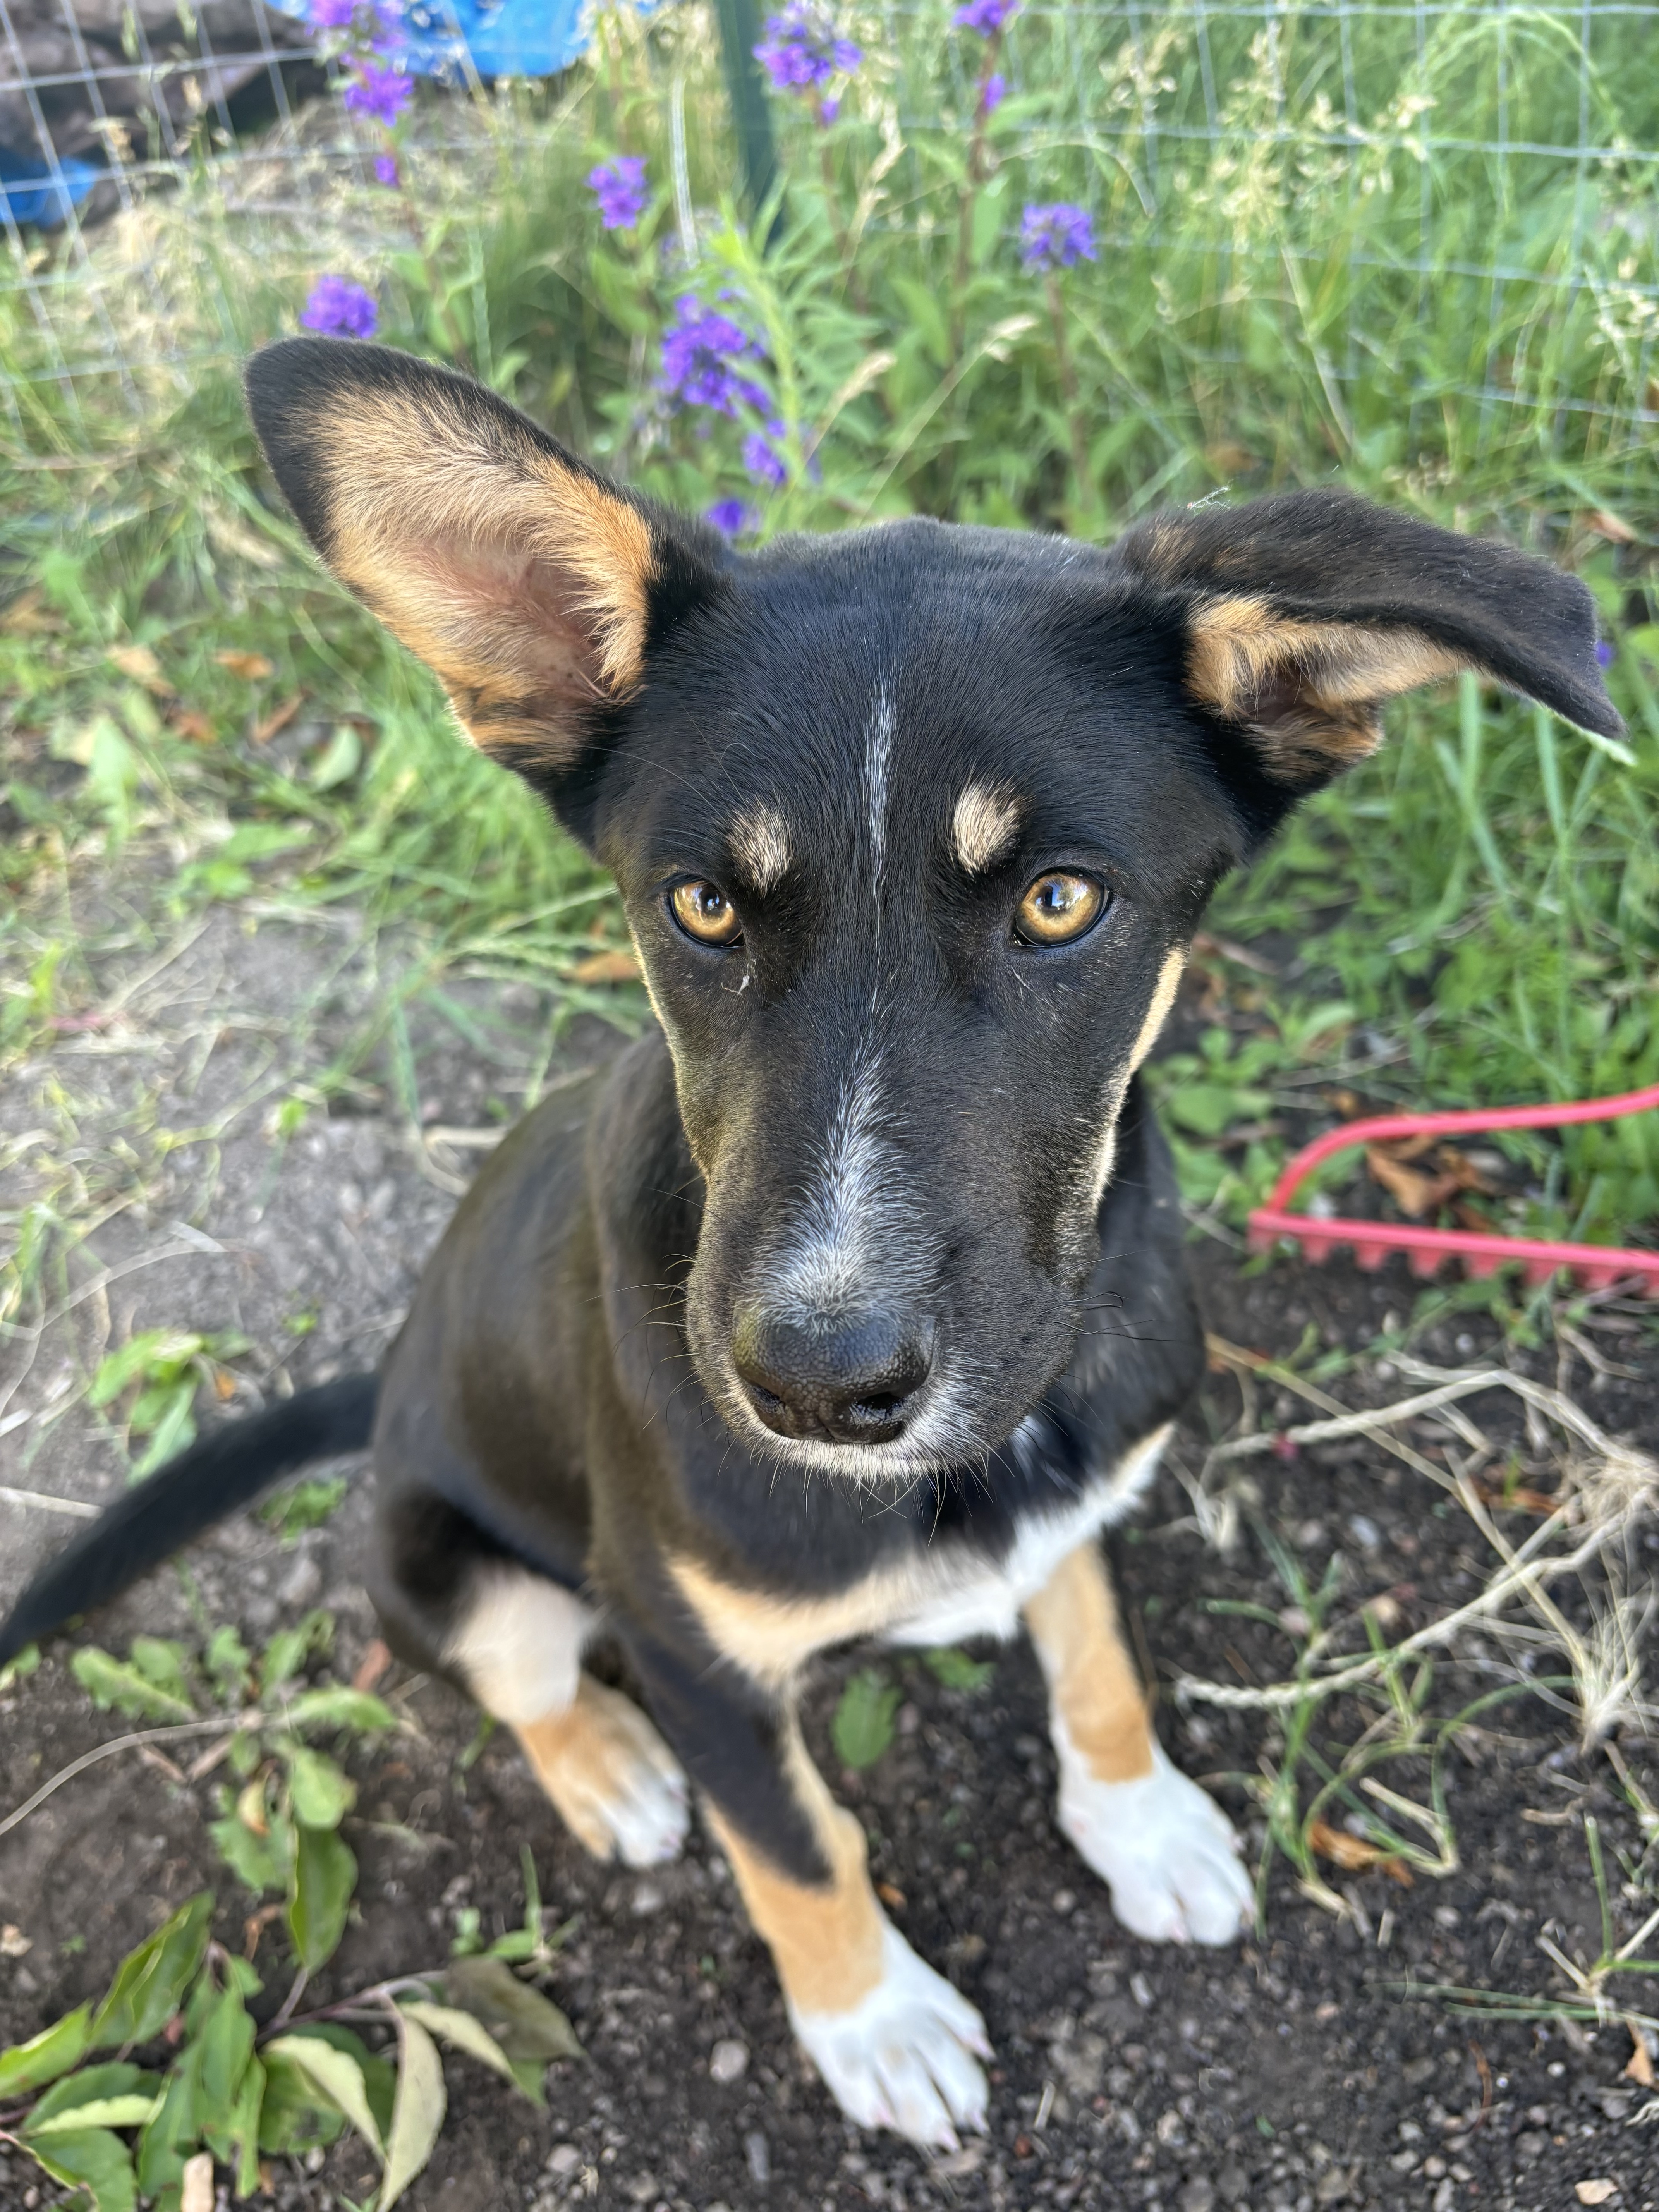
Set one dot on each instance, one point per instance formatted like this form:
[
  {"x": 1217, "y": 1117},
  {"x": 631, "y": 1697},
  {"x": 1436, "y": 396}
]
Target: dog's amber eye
[
  {"x": 703, "y": 911},
  {"x": 1057, "y": 908}
]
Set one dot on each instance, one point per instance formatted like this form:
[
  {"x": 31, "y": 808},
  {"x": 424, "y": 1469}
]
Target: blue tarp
[
  {"x": 513, "y": 38},
  {"x": 32, "y": 193},
  {"x": 447, "y": 38}
]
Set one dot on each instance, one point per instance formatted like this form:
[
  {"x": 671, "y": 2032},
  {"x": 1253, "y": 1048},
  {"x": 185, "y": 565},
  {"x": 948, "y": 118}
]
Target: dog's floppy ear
[
  {"x": 529, "y": 585},
  {"x": 1305, "y": 613}
]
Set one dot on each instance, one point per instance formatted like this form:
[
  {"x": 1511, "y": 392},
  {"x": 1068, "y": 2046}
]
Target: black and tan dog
[{"x": 850, "y": 1302}]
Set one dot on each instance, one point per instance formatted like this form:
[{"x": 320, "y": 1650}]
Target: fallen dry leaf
[
  {"x": 196, "y": 2185},
  {"x": 278, "y": 718},
  {"x": 1355, "y": 1855},
  {"x": 14, "y": 1943},
  {"x": 606, "y": 967},
  {"x": 1614, "y": 528},
  {"x": 138, "y": 662},
  {"x": 188, "y": 722},
  {"x": 890, "y": 1895},
  {"x": 1411, "y": 1191},
  {"x": 1594, "y": 2192},
  {"x": 252, "y": 667},
  {"x": 1519, "y": 1500},
  {"x": 1640, "y": 2068},
  {"x": 373, "y": 1664},
  {"x": 26, "y": 617}
]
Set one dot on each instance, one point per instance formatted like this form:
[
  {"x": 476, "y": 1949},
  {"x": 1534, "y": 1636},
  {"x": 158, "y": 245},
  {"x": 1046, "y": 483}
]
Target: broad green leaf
[
  {"x": 173, "y": 2132},
  {"x": 295, "y": 2116},
  {"x": 417, "y": 2116},
  {"x": 227, "y": 2045},
  {"x": 464, "y": 2031},
  {"x": 289, "y": 1649},
  {"x": 95, "y": 2161},
  {"x": 149, "y": 1984},
  {"x": 337, "y": 2075},
  {"x": 520, "y": 2018},
  {"x": 957, "y": 1671},
  {"x": 114, "y": 2078},
  {"x": 26, "y": 1663},
  {"x": 98, "y": 2112},
  {"x": 320, "y": 1894},
  {"x": 260, "y": 1862},
  {"x": 227, "y": 1664},
  {"x": 1208, "y": 1108},
  {"x": 245, "y": 2128},
  {"x": 111, "y": 1681},
  {"x": 380, "y": 2075},
  {"x": 339, "y": 1709},
  {"x": 160, "y": 1660},
  {"x": 30, "y": 2065},
  {"x": 863, "y": 1725},
  {"x": 320, "y": 1794}
]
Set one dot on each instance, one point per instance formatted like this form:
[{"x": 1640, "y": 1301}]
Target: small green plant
[
  {"x": 304, "y": 1505},
  {"x": 163, "y": 1368},
  {"x": 862, "y": 1726},
  {"x": 225, "y": 2085},
  {"x": 225, "y": 2088}
]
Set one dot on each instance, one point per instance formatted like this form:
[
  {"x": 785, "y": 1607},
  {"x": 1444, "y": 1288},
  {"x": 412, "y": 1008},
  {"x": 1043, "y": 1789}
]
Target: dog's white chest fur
[
  {"x": 935, "y": 1597},
  {"x": 986, "y": 1599}
]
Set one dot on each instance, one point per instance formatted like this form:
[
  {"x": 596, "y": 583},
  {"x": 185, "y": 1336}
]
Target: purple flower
[
  {"x": 1605, "y": 654},
  {"x": 985, "y": 16},
  {"x": 763, "y": 461},
  {"x": 379, "y": 90},
  {"x": 698, "y": 350},
  {"x": 993, "y": 93},
  {"x": 730, "y": 517},
  {"x": 339, "y": 309},
  {"x": 386, "y": 168},
  {"x": 332, "y": 14},
  {"x": 801, "y": 52},
  {"x": 1057, "y": 236},
  {"x": 620, "y": 188}
]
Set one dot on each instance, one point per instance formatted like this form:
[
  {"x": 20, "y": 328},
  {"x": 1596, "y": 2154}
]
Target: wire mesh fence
[{"x": 1439, "y": 203}]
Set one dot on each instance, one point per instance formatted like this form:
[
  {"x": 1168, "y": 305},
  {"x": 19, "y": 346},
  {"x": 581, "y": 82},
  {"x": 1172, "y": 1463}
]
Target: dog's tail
[{"x": 203, "y": 1485}]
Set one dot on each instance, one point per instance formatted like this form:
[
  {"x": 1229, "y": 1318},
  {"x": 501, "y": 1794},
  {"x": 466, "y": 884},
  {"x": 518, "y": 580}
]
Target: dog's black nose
[{"x": 842, "y": 1381}]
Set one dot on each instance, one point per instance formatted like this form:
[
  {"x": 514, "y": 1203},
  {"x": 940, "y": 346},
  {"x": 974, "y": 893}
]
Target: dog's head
[{"x": 913, "y": 825}]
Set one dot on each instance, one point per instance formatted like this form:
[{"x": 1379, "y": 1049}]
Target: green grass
[{"x": 1465, "y": 332}]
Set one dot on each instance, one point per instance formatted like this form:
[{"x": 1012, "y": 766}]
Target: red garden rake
[{"x": 1596, "y": 1266}]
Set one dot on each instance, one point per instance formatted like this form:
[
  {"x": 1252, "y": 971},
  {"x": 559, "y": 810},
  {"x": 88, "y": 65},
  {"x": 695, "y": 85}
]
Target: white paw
[
  {"x": 615, "y": 1780},
  {"x": 1167, "y": 1850},
  {"x": 900, "y": 2058},
  {"x": 649, "y": 1819}
]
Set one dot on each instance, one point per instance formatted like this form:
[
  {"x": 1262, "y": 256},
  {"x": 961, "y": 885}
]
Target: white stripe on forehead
[{"x": 878, "y": 750}]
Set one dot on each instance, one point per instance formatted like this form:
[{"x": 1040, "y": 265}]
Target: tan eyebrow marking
[
  {"x": 983, "y": 826},
  {"x": 760, "y": 846}
]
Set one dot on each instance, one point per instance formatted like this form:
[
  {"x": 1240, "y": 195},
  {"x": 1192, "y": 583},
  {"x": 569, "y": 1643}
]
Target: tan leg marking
[
  {"x": 614, "y": 1783},
  {"x": 1093, "y": 1686},
  {"x": 826, "y": 1938}
]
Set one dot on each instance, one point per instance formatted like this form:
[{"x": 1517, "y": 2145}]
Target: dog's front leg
[
  {"x": 1167, "y": 1850},
  {"x": 893, "y": 2040}
]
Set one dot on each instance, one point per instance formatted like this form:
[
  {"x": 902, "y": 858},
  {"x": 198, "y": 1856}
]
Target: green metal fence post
[{"x": 751, "y": 119}]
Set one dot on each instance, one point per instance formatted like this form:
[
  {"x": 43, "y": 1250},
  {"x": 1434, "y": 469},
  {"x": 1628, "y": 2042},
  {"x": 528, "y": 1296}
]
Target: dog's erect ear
[
  {"x": 1305, "y": 613},
  {"x": 529, "y": 585}
]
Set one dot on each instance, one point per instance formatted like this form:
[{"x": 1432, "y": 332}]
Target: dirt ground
[{"x": 1314, "y": 2066}]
